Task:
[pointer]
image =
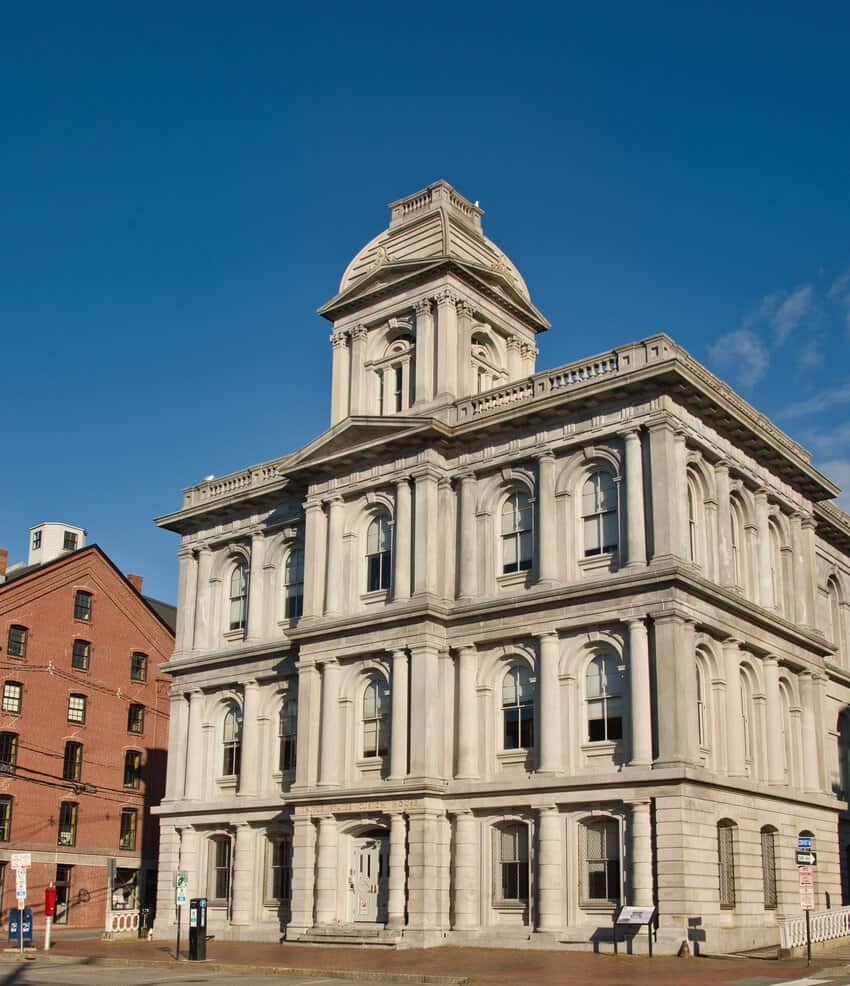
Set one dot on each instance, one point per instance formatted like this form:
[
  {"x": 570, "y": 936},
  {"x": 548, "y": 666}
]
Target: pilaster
[
  {"x": 357, "y": 390},
  {"x": 333, "y": 573},
  {"x": 326, "y": 871},
  {"x": 549, "y": 692},
  {"x": 329, "y": 729},
  {"x": 547, "y": 539},
  {"x": 187, "y": 584},
  {"x": 640, "y": 831},
  {"x": 424, "y": 352},
  {"x": 402, "y": 529},
  {"x": 735, "y": 741},
  {"x": 640, "y": 689},
  {"x": 195, "y": 746},
  {"x": 447, "y": 343},
  {"x": 399, "y": 726},
  {"x": 256, "y": 587},
  {"x": 468, "y": 561},
  {"x": 397, "y": 877},
  {"x": 250, "y": 756},
  {"x": 341, "y": 377},
  {"x": 467, "y": 714},
  {"x": 244, "y": 892},
  {"x": 635, "y": 518},
  {"x": 550, "y": 877}
]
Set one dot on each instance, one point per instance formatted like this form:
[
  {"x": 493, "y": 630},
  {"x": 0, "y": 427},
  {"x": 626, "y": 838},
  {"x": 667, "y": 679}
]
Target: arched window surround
[
  {"x": 390, "y": 375},
  {"x": 770, "y": 882},
  {"x": 219, "y": 851},
  {"x": 510, "y": 839},
  {"x": 604, "y": 698},
  {"x": 701, "y": 518},
  {"x": 229, "y": 746},
  {"x": 378, "y": 549},
  {"x": 374, "y": 717},
  {"x": 292, "y": 582},
  {"x": 517, "y": 708},
  {"x": 835, "y": 606},
  {"x": 599, "y": 508},
  {"x": 516, "y": 525},
  {"x": 600, "y": 862},
  {"x": 727, "y": 838},
  {"x": 236, "y": 589}
]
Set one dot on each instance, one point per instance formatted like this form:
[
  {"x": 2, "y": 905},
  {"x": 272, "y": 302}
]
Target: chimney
[
  {"x": 4, "y": 558},
  {"x": 136, "y": 582}
]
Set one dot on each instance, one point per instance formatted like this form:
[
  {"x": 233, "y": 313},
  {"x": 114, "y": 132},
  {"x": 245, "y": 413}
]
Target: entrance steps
[{"x": 357, "y": 933}]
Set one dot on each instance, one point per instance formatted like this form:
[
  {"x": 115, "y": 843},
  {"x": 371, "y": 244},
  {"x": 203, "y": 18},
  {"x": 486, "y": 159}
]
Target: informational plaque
[{"x": 635, "y": 915}]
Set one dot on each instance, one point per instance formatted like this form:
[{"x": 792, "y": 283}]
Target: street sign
[
  {"x": 21, "y": 860},
  {"x": 807, "y": 887},
  {"x": 181, "y": 885},
  {"x": 20, "y": 884},
  {"x": 804, "y": 842},
  {"x": 806, "y": 857}
]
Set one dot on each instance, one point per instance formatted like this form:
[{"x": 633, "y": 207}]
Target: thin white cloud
[
  {"x": 811, "y": 355},
  {"x": 791, "y": 312},
  {"x": 743, "y": 353},
  {"x": 840, "y": 287},
  {"x": 820, "y": 402}
]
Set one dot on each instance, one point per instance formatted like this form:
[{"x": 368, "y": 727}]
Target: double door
[{"x": 368, "y": 880}]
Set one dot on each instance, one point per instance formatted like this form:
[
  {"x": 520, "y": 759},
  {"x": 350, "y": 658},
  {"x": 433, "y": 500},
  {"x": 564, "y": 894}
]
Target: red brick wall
[{"x": 121, "y": 624}]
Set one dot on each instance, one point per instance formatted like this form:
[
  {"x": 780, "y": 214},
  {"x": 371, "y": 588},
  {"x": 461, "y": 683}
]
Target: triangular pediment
[{"x": 354, "y": 434}]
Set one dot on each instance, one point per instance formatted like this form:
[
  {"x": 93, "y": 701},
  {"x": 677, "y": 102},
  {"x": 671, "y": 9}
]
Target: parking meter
[{"x": 198, "y": 929}]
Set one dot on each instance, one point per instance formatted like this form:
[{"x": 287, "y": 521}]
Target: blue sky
[{"x": 183, "y": 185}]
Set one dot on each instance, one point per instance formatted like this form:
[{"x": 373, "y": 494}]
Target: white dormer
[{"x": 51, "y": 539}]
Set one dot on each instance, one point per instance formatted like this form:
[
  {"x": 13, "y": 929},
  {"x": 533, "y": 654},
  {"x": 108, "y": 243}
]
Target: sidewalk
[{"x": 482, "y": 966}]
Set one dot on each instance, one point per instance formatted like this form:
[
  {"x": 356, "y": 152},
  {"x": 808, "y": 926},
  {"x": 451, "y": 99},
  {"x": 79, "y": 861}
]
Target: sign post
[
  {"x": 806, "y": 862},
  {"x": 635, "y": 916},
  {"x": 181, "y": 890},
  {"x": 21, "y": 862}
]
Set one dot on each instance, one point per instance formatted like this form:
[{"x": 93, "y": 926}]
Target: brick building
[{"x": 83, "y": 729}]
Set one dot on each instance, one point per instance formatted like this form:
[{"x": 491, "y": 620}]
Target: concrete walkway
[{"x": 479, "y": 966}]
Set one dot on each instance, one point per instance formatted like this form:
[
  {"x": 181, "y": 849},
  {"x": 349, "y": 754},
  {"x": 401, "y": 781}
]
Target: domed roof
[{"x": 433, "y": 224}]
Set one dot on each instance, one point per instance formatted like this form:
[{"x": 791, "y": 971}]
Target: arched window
[
  {"x": 787, "y": 738},
  {"x": 835, "y": 626},
  {"x": 512, "y": 864},
  {"x": 518, "y": 709},
  {"x": 702, "y": 711},
  {"x": 379, "y": 553},
  {"x": 239, "y": 596},
  {"x": 517, "y": 550},
  {"x": 293, "y": 580},
  {"x": 726, "y": 863},
  {"x": 599, "y": 514},
  {"x": 601, "y": 862},
  {"x": 232, "y": 740},
  {"x": 286, "y": 732},
  {"x": 218, "y": 870},
  {"x": 736, "y": 531},
  {"x": 604, "y": 695},
  {"x": 376, "y": 718},
  {"x": 768, "y": 867},
  {"x": 693, "y": 550},
  {"x": 747, "y": 716},
  {"x": 776, "y": 582}
]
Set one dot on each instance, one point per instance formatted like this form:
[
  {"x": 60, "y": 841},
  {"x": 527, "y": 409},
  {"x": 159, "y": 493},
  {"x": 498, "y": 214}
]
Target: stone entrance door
[{"x": 368, "y": 880}]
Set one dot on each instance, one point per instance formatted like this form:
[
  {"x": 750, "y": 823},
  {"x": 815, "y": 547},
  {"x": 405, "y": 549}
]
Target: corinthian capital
[
  {"x": 339, "y": 340},
  {"x": 359, "y": 333},
  {"x": 423, "y": 308},
  {"x": 447, "y": 296}
]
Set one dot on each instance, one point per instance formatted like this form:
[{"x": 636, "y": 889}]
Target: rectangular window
[
  {"x": 5, "y": 818},
  {"x": 36, "y": 540},
  {"x": 67, "y": 824},
  {"x": 13, "y": 692},
  {"x": 63, "y": 892},
  {"x": 8, "y": 752},
  {"x": 602, "y": 862},
  {"x": 82, "y": 605},
  {"x": 279, "y": 877},
  {"x": 136, "y": 718},
  {"x": 77, "y": 708},
  {"x": 132, "y": 769},
  {"x": 768, "y": 869},
  {"x": 72, "y": 763},
  {"x": 127, "y": 837},
  {"x": 69, "y": 542},
  {"x": 16, "y": 646},
  {"x": 513, "y": 864},
  {"x": 218, "y": 874},
  {"x": 726, "y": 862},
  {"x": 81, "y": 655},
  {"x": 139, "y": 667}
]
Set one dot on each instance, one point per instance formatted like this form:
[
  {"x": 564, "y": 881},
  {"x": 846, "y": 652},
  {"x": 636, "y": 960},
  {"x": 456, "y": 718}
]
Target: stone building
[
  {"x": 501, "y": 649},
  {"x": 83, "y": 730}
]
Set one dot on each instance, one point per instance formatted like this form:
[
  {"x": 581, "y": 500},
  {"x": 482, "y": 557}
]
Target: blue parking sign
[{"x": 804, "y": 842}]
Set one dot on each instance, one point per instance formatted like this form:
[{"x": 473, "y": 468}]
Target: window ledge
[
  {"x": 229, "y": 780},
  {"x": 376, "y": 596},
  {"x": 234, "y": 634},
  {"x": 371, "y": 763},
  {"x": 510, "y": 905},
  {"x": 599, "y": 906},
  {"x": 599, "y": 563},
  {"x": 514, "y": 756},
  {"x": 600, "y": 748},
  {"x": 509, "y": 579}
]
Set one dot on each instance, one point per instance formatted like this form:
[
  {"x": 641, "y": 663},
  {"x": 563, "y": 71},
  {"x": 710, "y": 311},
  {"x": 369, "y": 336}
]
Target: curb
[{"x": 360, "y": 975}]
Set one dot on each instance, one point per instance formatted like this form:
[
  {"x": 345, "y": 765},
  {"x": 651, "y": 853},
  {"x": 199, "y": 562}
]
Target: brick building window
[
  {"x": 80, "y": 655},
  {"x": 8, "y": 752},
  {"x": 16, "y": 646},
  {"x": 67, "y": 824},
  {"x": 5, "y": 818},
  {"x": 136, "y": 718},
  {"x": 82, "y": 605},
  {"x": 13, "y": 693},
  {"x": 132, "y": 769},
  {"x": 139, "y": 667},
  {"x": 127, "y": 837},
  {"x": 77, "y": 708},
  {"x": 72, "y": 762}
]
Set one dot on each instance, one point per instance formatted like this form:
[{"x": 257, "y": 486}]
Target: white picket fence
[{"x": 826, "y": 925}]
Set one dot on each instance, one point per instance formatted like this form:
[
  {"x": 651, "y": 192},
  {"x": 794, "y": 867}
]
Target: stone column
[
  {"x": 465, "y": 319},
  {"x": 810, "y": 725},
  {"x": 178, "y": 726},
  {"x": 467, "y": 879},
  {"x": 447, "y": 343},
  {"x": 467, "y": 714},
  {"x": 529, "y": 353},
  {"x": 256, "y": 588},
  {"x": 773, "y": 721},
  {"x": 303, "y": 874},
  {"x": 549, "y": 703},
  {"x": 735, "y": 741},
  {"x": 798, "y": 569},
  {"x": 333, "y": 576},
  {"x": 422, "y": 872},
  {"x": 314, "y": 556},
  {"x": 341, "y": 375},
  {"x": 514, "y": 348},
  {"x": 635, "y": 519},
  {"x": 424, "y": 352},
  {"x": 402, "y": 528},
  {"x": 195, "y": 747},
  {"x": 306, "y": 753},
  {"x": 640, "y": 831},
  {"x": 358, "y": 398},
  {"x": 190, "y": 861},
  {"x": 666, "y": 511},
  {"x": 680, "y": 492},
  {"x": 326, "y": 871},
  {"x": 203, "y": 607},
  {"x": 329, "y": 729},
  {"x": 468, "y": 561},
  {"x": 396, "y": 881},
  {"x": 168, "y": 865},
  {"x": 547, "y": 540},
  {"x": 676, "y": 681},
  {"x": 398, "y": 725},
  {"x": 187, "y": 585},
  {"x": 810, "y": 583},
  {"x": 640, "y": 691},
  {"x": 245, "y": 884},
  {"x": 550, "y": 869},
  {"x": 425, "y": 712},
  {"x": 724, "y": 524},
  {"x": 250, "y": 757},
  {"x": 427, "y": 532},
  {"x": 387, "y": 383},
  {"x": 765, "y": 583}
]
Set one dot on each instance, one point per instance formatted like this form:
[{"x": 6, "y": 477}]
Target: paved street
[{"x": 33, "y": 974}]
